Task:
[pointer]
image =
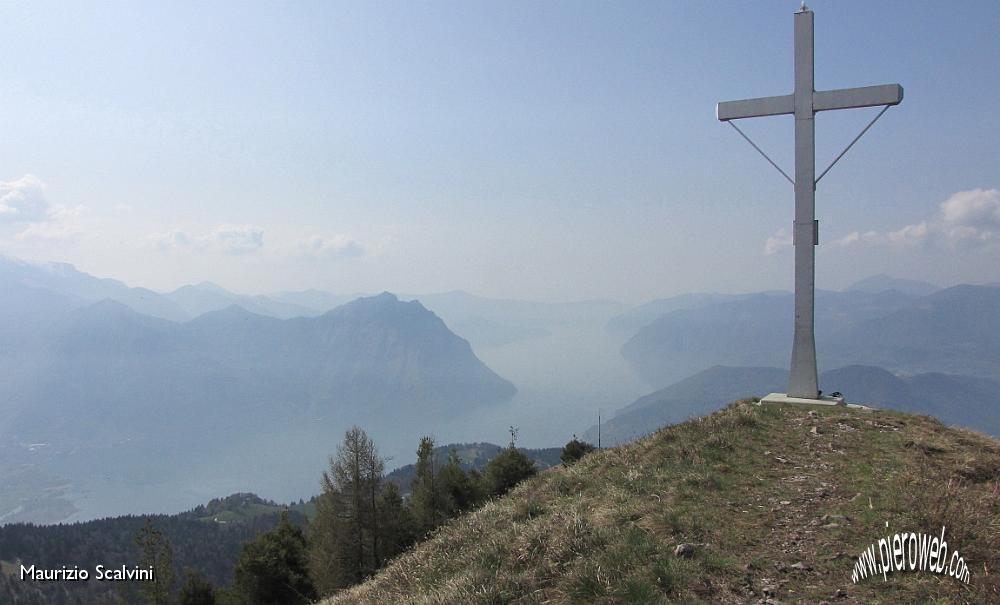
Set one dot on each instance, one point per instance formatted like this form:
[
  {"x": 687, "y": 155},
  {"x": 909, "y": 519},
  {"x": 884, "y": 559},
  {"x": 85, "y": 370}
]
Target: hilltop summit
[{"x": 752, "y": 504}]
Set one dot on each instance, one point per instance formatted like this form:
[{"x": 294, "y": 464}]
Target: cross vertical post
[{"x": 803, "y": 103}]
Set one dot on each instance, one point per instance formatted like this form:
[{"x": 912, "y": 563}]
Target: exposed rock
[{"x": 684, "y": 551}]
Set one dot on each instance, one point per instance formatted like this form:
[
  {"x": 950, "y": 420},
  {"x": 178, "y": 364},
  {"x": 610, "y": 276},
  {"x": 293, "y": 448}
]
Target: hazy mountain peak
[
  {"x": 389, "y": 309},
  {"x": 211, "y": 287},
  {"x": 108, "y": 307},
  {"x": 112, "y": 315},
  {"x": 883, "y": 282},
  {"x": 230, "y": 313}
]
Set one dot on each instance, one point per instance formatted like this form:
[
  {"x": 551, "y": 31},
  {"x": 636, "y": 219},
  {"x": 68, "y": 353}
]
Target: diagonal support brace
[
  {"x": 846, "y": 149},
  {"x": 754, "y": 145}
]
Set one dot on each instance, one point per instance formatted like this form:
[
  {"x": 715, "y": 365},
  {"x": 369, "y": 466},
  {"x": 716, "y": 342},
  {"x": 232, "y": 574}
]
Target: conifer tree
[
  {"x": 273, "y": 568},
  {"x": 345, "y": 538},
  {"x": 574, "y": 450},
  {"x": 155, "y": 551},
  {"x": 508, "y": 468},
  {"x": 461, "y": 493},
  {"x": 395, "y": 527},
  {"x": 427, "y": 499},
  {"x": 328, "y": 556},
  {"x": 196, "y": 590}
]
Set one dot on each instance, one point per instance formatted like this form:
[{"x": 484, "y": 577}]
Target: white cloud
[
  {"x": 170, "y": 240},
  {"x": 226, "y": 239},
  {"x": 781, "y": 239},
  {"x": 23, "y": 201},
  {"x": 63, "y": 223},
  {"x": 967, "y": 219},
  {"x": 235, "y": 239},
  {"x": 26, "y": 215},
  {"x": 338, "y": 246}
]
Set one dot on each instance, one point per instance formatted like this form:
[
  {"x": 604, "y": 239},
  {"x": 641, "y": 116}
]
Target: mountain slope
[
  {"x": 645, "y": 314},
  {"x": 749, "y": 489},
  {"x": 953, "y": 330}
]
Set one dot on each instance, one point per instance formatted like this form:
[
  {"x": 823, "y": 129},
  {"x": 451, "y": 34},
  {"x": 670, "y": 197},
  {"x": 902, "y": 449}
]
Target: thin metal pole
[
  {"x": 754, "y": 145},
  {"x": 846, "y": 149}
]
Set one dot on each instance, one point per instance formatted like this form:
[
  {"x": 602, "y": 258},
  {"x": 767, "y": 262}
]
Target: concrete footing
[{"x": 822, "y": 400}]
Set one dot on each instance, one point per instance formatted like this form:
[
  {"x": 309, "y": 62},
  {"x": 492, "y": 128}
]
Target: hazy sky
[{"x": 548, "y": 150}]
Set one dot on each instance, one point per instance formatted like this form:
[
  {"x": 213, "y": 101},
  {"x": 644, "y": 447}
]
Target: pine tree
[
  {"x": 196, "y": 590},
  {"x": 273, "y": 568},
  {"x": 508, "y": 468},
  {"x": 429, "y": 503},
  {"x": 574, "y": 450},
  {"x": 155, "y": 551},
  {"x": 327, "y": 542},
  {"x": 345, "y": 538},
  {"x": 395, "y": 527},
  {"x": 461, "y": 493}
]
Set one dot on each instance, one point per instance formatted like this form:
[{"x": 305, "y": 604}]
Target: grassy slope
[{"x": 750, "y": 485}]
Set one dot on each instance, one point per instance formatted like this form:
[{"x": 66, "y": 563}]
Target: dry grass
[{"x": 750, "y": 486}]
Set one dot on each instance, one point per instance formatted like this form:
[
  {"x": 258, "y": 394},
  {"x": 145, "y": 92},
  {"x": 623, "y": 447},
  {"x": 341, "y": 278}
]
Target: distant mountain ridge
[
  {"x": 483, "y": 321},
  {"x": 64, "y": 279},
  {"x": 206, "y": 297},
  {"x": 954, "y": 330},
  {"x": 372, "y": 352},
  {"x": 638, "y": 317},
  {"x": 645, "y": 314},
  {"x": 112, "y": 397},
  {"x": 883, "y": 283}
]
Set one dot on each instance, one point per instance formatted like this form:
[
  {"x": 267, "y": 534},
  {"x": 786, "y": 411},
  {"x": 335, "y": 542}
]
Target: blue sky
[{"x": 556, "y": 150}]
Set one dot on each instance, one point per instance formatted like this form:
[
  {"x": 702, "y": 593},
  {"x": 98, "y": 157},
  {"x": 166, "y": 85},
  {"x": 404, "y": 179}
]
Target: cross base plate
[{"x": 822, "y": 400}]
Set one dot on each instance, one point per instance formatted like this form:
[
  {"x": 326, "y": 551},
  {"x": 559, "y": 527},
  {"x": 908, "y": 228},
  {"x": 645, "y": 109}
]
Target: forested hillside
[{"x": 208, "y": 539}]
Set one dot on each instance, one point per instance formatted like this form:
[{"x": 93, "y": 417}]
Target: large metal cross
[{"x": 804, "y": 102}]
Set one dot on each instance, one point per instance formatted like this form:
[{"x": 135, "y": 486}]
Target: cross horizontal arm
[
  {"x": 849, "y": 98},
  {"x": 754, "y": 108}
]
